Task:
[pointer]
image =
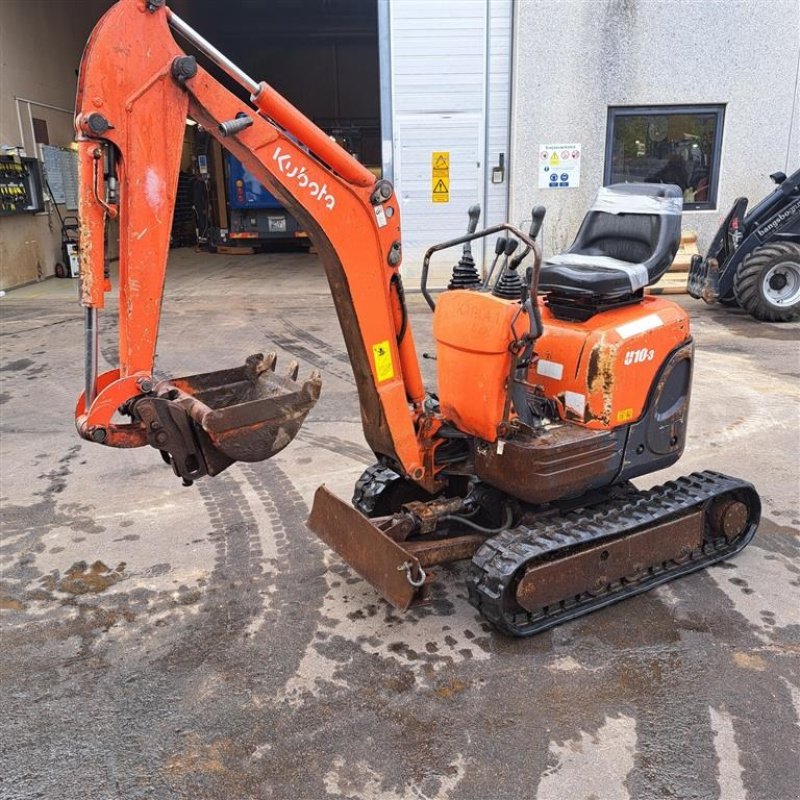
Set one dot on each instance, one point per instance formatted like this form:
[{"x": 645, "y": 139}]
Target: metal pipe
[
  {"x": 208, "y": 49},
  {"x": 17, "y": 101},
  {"x": 385, "y": 77},
  {"x": 503, "y": 226},
  {"x": 33, "y": 132},
  {"x": 19, "y": 124},
  {"x": 90, "y": 355},
  {"x": 69, "y": 111}
]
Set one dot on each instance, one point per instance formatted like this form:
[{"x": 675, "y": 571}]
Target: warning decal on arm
[{"x": 382, "y": 353}]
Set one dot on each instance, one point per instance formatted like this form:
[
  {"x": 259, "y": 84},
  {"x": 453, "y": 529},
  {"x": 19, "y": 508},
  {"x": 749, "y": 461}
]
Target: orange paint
[{"x": 599, "y": 372}]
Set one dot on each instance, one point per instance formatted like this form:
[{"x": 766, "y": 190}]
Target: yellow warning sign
[
  {"x": 440, "y": 190},
  {"x": 554, "y": 160},
  {"x": 625, "y": 415},
  {"x": 440, "y": 177},
  {"x": 382, "y": 353},
  {"x": 440, "y": 164}
]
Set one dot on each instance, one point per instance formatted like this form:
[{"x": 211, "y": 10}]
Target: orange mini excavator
[{"x": 556, "y": 385}]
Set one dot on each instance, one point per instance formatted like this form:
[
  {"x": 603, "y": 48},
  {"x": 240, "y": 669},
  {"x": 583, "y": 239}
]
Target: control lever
[
  {"x": 499, "y": 249},
  {"x": 474, "y": 214},
  {"x": 508, "y": 285},
  {"x": 531, "y": 288},
  {"x": 511, "y": 246},
  {"x": 465, "y": 274},
  {"x": 537, "y": 217}
]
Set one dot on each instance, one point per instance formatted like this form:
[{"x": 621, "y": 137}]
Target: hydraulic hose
[{"x": 470, "y": 524}]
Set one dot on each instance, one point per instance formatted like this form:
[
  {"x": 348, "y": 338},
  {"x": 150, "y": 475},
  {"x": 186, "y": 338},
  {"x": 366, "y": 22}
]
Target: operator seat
[{"x": 627, "y": 241}]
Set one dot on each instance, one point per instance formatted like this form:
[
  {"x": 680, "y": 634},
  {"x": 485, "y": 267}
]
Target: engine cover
[{"x": 599, "y": 372}]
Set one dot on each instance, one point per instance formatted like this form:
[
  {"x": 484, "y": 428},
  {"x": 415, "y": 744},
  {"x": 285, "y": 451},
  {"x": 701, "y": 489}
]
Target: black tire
[
  {"x": 756, "y": 288},
  {"x": 728, "y": 302}
]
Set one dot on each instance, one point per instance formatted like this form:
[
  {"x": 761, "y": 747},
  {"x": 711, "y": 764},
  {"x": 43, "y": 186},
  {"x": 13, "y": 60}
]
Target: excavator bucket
[{"x": 203, "y": 423}]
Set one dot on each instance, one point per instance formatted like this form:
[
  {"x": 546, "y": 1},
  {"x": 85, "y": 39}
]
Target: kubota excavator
[{"x": 555, "y": 387}]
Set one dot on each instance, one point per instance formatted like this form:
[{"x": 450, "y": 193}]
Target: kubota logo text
[{"x": 320, "y": 191}]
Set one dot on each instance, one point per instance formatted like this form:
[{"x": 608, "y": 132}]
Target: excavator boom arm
[{"x": 136, "y": 89}]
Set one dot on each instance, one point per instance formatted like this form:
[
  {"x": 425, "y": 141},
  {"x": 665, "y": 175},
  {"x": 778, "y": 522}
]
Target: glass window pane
[{"x": 665, "y": 148}]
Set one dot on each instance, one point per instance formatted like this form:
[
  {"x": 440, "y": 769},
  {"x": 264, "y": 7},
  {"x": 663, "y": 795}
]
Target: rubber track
[
  {"x": 500, "y": 560},
  {"x": 369, "y": 487}
]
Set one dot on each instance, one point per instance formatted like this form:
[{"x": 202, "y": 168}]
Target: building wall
[
  {"x": 40, "y": 49},
  {"x": 573, "y": 59}
]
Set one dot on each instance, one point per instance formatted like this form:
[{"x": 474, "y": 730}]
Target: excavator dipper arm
[{"x": 136, "y": 89}]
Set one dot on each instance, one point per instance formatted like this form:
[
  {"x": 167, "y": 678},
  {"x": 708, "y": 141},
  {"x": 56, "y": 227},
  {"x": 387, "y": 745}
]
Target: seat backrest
[
  {"x": 629, "y": 237},
  {"x": 635, "y": 222}
]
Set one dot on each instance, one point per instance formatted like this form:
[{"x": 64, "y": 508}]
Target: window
[{"x": 667, "y": 144}]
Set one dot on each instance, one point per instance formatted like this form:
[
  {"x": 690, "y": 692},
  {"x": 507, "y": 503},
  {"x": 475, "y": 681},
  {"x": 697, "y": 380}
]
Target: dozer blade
[
  {"x": 205, "y": 422},
  {"x": 393, "y": 571}
]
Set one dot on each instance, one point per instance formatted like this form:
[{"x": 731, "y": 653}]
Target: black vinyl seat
[{"x": 627, "y": 241}]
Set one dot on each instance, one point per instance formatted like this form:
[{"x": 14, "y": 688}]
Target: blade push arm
[{"x": 136, "y": 89}]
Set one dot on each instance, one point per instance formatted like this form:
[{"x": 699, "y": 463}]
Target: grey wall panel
[{"x": 651, "y": 52}]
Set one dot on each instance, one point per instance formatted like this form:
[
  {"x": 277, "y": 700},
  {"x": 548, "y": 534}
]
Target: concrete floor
[{"x": 162, "y": 642}]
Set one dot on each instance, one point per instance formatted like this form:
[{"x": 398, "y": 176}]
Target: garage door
[{"x": 426, "y": 222}]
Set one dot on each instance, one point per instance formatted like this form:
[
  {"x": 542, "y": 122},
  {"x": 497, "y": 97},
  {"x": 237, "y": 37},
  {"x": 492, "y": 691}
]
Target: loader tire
[{"x": 767, "y": 284}]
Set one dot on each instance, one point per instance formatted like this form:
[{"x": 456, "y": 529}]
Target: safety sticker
[
  {"x": 625, "y": 415},
  {"x": 550, "y": 369},
  {"x": 575, "y": 402},
  {"x": 440, "y": 177},
  {"x": 382, "y": 353},
  {"x": 440, "y": 190},
  {"x": 639, "y": 326},
  {"x": 440, "y": 164}
]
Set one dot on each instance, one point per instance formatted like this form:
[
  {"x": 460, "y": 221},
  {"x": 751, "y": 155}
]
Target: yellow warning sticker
[
  {"x": 440, "y": 164},
  {"x": 554, "y": 160},
  {"x": 440, "y": 190},
  {"x": 382, "y": 353},
  {"x": 625, "y": 415},
  {"x": 440, "y": 176}
]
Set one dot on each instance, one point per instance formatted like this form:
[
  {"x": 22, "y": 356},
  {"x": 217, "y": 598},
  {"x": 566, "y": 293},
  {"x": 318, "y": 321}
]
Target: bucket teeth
[{"x": 258, "y": 363}]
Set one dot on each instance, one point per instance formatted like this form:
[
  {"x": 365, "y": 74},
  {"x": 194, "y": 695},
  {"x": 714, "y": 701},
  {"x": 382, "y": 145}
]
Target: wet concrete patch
[
  {"x": 17, "y": 366},
  {"x": 82, "y": 578}
]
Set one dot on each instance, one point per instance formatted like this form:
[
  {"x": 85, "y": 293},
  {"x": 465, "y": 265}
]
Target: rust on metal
[
  {"x": 595, "y": 567},
  {"x": 428, "y": 514},
  {"x": 709, "y": 290},
  {"x": 367, "y": 549},
  {"x": 601, "y": 376},
  {"x": 249, "y": 413},
  {"x": 442, "y": 551},
  {"x": 564, "y": 461},
  {"x": 729, "y": 517}
]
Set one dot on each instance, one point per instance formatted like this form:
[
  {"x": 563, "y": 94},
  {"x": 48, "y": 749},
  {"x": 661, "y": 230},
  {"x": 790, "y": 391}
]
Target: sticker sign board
[
  {"x": 440, "y": 177},
  {"x": 559, "y": 166},
  {"x": 61, "y": 169}
]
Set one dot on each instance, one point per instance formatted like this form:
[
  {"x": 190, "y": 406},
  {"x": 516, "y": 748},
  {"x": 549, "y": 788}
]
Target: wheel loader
[
  {"x": 558, "y": 381},
  {"x": 754, "y": 259}
]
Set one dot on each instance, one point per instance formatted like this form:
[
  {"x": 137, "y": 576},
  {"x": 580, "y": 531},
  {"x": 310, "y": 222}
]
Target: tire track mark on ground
[
  {"x": 334, "y": 444},
  {"x": 233, "y": 596},
  {"x": 320, "y": 344},
  {"x": 299, "y": 586}
]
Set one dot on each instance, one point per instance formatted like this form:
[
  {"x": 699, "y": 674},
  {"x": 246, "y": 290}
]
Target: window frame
[{"x": 717, "y": 109}]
